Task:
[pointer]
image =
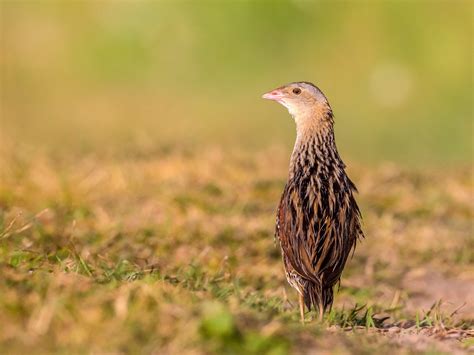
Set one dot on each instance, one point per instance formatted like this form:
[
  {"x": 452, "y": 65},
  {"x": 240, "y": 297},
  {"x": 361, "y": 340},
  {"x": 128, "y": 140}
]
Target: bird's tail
[{"x": 318, "y": 297}]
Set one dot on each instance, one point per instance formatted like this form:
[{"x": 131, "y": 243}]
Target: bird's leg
[
  {"x": 321, "y": 313},
  {"x": 287, "y": 300},
  {"x": 301, "y": 301}
]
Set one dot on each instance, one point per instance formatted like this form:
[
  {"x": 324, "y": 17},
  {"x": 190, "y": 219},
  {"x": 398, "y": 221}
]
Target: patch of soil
[{"x": 425, "y": 287}]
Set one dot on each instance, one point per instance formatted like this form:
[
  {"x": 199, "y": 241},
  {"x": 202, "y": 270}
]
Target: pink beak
[{"x": 275, "y": 95}]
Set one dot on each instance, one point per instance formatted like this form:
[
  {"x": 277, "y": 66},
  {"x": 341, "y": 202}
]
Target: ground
[{"x": 172, "y": 252}]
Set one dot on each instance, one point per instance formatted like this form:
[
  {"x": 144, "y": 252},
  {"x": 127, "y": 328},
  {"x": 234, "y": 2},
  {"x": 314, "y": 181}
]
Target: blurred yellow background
[{"x": 139, "y": 76}]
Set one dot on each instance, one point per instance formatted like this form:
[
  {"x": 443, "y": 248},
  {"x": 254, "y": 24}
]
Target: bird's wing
[
  {"x": 292, "y": 223},
  {"x": 316, "y": 230}
]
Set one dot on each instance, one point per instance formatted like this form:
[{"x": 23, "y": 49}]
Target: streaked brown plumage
[{"x": 318, "y": 220}]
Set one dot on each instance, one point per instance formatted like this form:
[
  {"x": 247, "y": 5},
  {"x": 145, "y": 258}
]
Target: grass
[{"x": 173, "y": 252}]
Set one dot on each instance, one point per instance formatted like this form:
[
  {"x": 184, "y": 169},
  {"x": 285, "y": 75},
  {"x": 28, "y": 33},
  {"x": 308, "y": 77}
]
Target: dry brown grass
[{"x": 173, "y": 252}]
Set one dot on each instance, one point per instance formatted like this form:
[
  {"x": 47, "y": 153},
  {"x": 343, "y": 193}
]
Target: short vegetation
[{"x": 173, "y": 252}]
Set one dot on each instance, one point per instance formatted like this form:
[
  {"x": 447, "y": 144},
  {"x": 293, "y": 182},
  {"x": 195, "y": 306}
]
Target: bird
[{"x": 318, "y": 222}]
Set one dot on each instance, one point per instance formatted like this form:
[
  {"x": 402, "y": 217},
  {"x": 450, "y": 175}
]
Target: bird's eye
[{"x": 296, "y": 91}]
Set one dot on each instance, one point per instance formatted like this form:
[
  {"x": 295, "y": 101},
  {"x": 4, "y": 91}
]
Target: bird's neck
[{"x": 315, "y": 145}]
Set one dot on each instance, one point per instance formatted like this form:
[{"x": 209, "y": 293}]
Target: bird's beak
[{"x": 275, "y": 95}]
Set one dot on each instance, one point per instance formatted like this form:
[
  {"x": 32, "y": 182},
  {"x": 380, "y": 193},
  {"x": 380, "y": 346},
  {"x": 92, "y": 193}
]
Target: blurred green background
[{"x": 136, "y": 76}]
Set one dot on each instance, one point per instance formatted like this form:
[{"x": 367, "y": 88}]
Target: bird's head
[{"x": 302, "y": 99}]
